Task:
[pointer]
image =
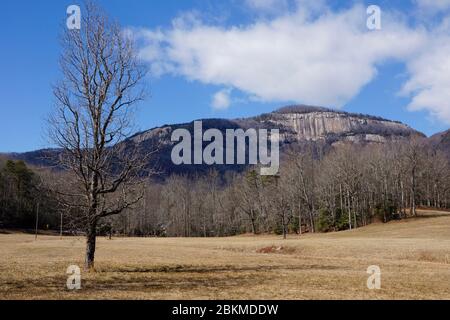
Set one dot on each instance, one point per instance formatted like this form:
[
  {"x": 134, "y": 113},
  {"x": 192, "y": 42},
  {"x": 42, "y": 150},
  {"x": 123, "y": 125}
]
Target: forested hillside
[
  {"x": 338, "y": 171},
  {"x": 343, "y": 188},
  {"x": 22, "y": 196}
]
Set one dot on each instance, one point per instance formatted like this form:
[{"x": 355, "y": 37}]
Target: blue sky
[{"x": 184, "y": 92}]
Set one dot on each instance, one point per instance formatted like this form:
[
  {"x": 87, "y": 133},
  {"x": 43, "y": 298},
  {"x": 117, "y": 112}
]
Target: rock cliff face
[
  {"x": 302, "y": 123},
  {"x": 298, "y": 125}
]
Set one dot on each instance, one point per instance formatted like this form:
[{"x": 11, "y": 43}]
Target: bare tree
[
  {"x": 412, "y": 156},
  {"x": 101, "y": 83},
  {"x": 251, "y": 198},
  {"x": 301, "y": 169}
]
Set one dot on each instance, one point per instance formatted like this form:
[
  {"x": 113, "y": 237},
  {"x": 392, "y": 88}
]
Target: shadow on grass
[{"x": 226, "y": 268}]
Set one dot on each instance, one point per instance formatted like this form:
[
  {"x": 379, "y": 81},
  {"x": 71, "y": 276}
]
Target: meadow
[{"x": 413, "y": 254}]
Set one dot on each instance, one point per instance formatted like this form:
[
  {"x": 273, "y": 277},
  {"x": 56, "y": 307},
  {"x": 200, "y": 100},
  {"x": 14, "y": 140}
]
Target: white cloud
[
  {"x": 311, "y": 56},
  {"x": 323, "y": 61},
  {"x": 267, "y": 5},
  {"x": 433, "y": 5},
  {"x": 222, "y": 100},
  {"x": 429, "y": 83}
]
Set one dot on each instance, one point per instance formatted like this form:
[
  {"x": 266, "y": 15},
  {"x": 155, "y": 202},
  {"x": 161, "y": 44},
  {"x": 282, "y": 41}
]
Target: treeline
[
  {"x": 349, "y": 187},
  {"x": 316, "y": 191},
  {"x": 22, "y": 198}
]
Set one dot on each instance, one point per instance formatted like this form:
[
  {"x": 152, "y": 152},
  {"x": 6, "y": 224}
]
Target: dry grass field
[{"x": 414, "y": 257}]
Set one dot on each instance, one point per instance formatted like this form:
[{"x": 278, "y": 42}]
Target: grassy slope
[{"x": 414, "y": 257}]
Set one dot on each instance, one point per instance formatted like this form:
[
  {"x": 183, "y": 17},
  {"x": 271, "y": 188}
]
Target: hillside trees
[
  {"x": 346, "y": 188},
  {"x": 21, "y": 193},
  {"x": 436, "y": 179},
  {"x": 412, "y": 159},
  {"x": 18, "y": 186},
  {"x": 299, "y": 175},
  {"x": 252, "y": 189}
]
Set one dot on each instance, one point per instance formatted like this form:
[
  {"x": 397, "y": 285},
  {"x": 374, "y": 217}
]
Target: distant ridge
[
  {"x": 298, "y": 125},
  {"x": 441, "y": 142},
  {"x": 302, "y": 109}
]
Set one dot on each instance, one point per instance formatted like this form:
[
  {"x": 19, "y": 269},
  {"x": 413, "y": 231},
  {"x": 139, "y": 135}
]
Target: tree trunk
[
  {"x": 299, "y": 219},
  {"x": 61, "y": 227},
  {"x": 311, "y": 218},
  {"x": 403, "y": 206},
  {"x": 413, "y": 192},
  {"x": 37, "y": 221},
  {"x": 254, "y": 230},
  {"x": 91, "y": 238},
  {"x": 349, "y": 210}
]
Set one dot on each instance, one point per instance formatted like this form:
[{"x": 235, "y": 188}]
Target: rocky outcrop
[
  {"x": 318, "y": 124},
  {"x": 298, "y": 125}
]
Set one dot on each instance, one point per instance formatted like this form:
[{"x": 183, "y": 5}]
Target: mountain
[
  {"x": 441, "y": 141},
  {"x": 298, "y": 125},
  {"x": 304, "y": 123}
]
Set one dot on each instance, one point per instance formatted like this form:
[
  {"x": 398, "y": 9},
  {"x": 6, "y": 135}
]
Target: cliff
[{"x": 298, "y": 125}]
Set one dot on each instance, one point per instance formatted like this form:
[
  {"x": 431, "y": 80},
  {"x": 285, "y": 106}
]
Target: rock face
[
  {"x": 321, "y": 125},
  {"x": 298, "y": 125},
  {"x": 301, "y": 123}
]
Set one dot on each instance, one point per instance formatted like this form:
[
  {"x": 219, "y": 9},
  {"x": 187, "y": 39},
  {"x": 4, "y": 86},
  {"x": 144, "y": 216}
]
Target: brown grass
[{"x": 414, "y": 257}]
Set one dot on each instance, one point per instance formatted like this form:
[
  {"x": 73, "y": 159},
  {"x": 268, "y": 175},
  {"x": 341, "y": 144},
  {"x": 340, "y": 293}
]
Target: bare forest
[{"x": 346, "y": 188}]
